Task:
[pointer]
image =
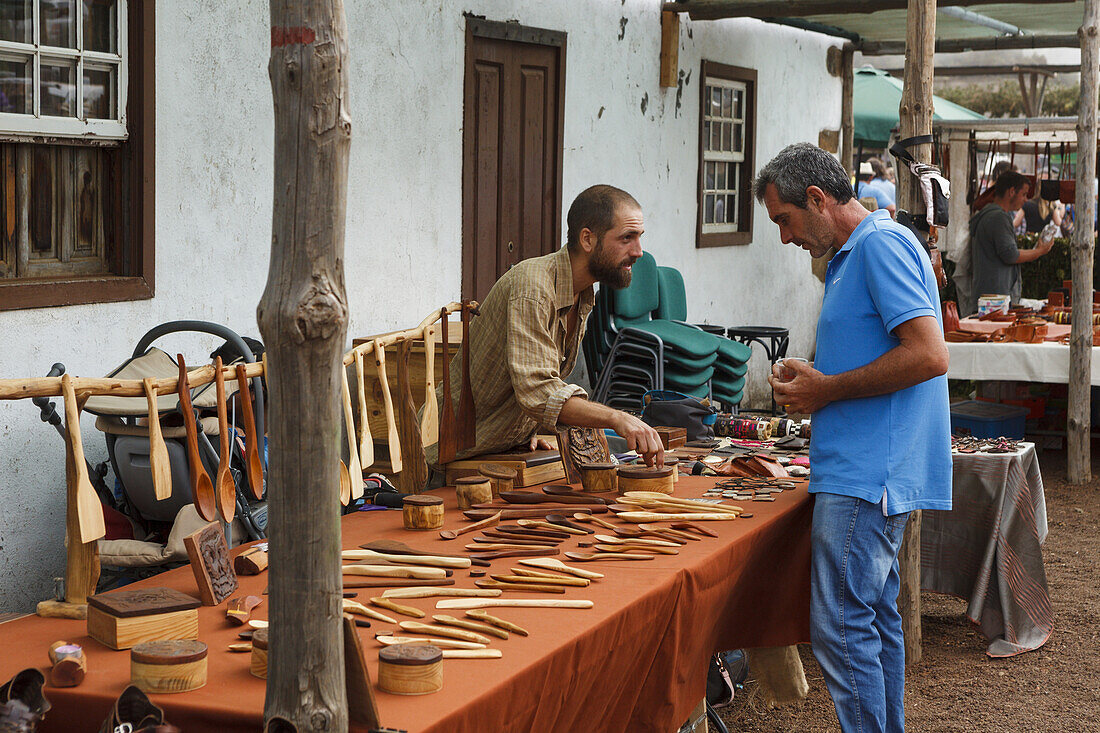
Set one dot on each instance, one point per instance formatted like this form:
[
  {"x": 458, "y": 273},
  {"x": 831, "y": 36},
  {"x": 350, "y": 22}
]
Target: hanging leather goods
[
  {"x": 1048, "y": 189},
  {"x": 935, "y": 191},
  {"x": 1067, "y": 187}
]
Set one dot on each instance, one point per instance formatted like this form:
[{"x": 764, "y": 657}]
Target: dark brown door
[{"x": 511, "y": 149}]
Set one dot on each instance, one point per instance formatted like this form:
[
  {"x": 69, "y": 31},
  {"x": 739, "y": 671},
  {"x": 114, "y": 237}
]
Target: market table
[
  {"x": 1045, "y": 362},
  {"x": 988, "y": 548},
  {"x": 636, "y": 661}
]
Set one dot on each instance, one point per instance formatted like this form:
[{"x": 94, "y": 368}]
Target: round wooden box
[
  {"x": 410, "y": 669},
  {"x": 674, "y": 464},
  {"x": 422, "y": 512},
  {"x": 258, "y": 664},
  {"x": 501, "y": 478},
  {"x": 472, "y": 490},
  {"x": 177, "y": 665},
  {"x": 644, "y": 478},
  {"x": 598, "y": 477}
]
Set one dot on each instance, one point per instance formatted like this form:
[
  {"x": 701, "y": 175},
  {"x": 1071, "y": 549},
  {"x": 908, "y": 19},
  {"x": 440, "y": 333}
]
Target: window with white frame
[
  {"x": 63, "y": 69},
  {"x": 727, "y": 116}
]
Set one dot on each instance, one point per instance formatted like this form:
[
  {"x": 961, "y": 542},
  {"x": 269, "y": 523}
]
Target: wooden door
[{"x": 511, "y": 149}]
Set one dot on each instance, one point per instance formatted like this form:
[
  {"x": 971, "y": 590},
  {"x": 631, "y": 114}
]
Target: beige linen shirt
[{"x": 520, "y": 350}]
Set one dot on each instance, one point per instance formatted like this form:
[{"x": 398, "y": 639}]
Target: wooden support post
[
  {"x": 670, "y": 48},
  {"x": 303, "y": 317},
  {"x": 915, "y": 118},
  {"x": 1079, "y": 468},
  {"x": 847, "y": 114}
]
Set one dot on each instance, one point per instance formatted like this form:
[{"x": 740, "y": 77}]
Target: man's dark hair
[
  {"x": 594, "y": 209},
  {"x": 796, "y": 168},
  {"x": 878, "y": 167},
  {"x": 1009, "y": 181}
]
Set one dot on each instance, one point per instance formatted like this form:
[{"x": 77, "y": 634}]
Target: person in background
[
  {"x": 882, "y": 178},
  {"x": 882, "y": 431},
  {"x": 868, "y": 188},
  {"x": 1038, "y": 212},
  {"x": 995, "y": 257}
]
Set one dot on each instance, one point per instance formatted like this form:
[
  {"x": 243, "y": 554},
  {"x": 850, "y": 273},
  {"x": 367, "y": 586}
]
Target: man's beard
[{"x": 606, "y": 272}]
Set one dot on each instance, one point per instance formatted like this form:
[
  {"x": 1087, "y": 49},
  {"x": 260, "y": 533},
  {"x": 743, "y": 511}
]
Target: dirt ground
[{"x": 956, "y": 687}]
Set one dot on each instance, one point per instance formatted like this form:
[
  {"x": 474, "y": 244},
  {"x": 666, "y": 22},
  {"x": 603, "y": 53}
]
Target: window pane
[
  {"x": 15, "y": 21},
  {"x": 721, "y": 178},
  {"x": 731, "y": 208},
  {"x": 720, "y": 210},
  {"x": 58, "y": 89},
  {"x": 715, "y": 136},
  {"x": 99, "y": 93},
  {"x": 737, "y": 103},
  {"x": 726, "y": 135},
  {"x": 100, "y": 25},
  {"x": 715, "y": 101},
  {"x": 706, "y": 135},
  {"x": 708, "y": 176},
  {"x": 15, "y": 86},
  {"x": 737, "y": 142},
  {"x": 708, "y": 209},
  {"x": 727, "y": 101},
  {"x": 58, "y": 23}
]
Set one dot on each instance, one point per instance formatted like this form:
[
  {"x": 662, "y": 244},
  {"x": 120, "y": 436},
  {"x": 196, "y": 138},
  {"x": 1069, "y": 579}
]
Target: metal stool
[{"x": 773, "y": 338}]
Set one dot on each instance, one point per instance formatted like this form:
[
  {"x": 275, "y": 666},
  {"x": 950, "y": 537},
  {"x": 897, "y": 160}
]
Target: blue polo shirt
[{"x": 895, "y": 445}]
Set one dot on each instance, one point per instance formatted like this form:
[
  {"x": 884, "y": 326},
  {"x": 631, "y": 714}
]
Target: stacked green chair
[{"x": 728, "y": 382}]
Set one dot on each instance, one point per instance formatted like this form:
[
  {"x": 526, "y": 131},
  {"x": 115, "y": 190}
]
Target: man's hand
[
  {"x": 641, "y": 438},
  {"x": 806, "y": 393},
  {"x": 538, "y": 443}
]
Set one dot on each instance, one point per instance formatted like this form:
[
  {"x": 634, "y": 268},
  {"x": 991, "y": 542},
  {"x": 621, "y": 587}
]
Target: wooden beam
[
  {"x": 996, "y": 43},
  {"x": 847, "y": 109},
  {"x": 1079, "y": 465},
  {"x": 914, "y": 118},
  {"x": 670, "y": 48},
  {"x": 715, "y": 9},
  {"x": 303, "y": 317},
  {"x": 995, "y": 70}
]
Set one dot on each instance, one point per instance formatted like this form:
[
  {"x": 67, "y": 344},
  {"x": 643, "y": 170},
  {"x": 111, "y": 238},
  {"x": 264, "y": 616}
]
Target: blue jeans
[{"x": 855, "y": 626}]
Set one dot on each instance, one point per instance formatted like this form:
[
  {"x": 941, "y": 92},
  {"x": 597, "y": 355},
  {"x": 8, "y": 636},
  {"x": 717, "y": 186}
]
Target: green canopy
[{"x": 876, "y": 97}]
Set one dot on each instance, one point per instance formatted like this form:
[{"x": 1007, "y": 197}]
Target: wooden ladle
[
  {"x": 450, "y": 534},
  {"x": 251, "y": 440},
  {"x": 158, "y": 451},
  {"x": 226, "y": 494},
  {"x": 202, "y": 491},
  {"x": 89, "y": 512}
]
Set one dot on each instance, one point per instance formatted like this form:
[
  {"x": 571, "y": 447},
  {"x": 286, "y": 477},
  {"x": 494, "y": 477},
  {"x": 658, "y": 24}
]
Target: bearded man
[{"x": 528, "y": 334}]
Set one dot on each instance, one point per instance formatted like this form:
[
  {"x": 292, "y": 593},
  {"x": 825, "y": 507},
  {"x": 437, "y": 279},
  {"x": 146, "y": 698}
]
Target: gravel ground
[{"x": 956, "y": 687}]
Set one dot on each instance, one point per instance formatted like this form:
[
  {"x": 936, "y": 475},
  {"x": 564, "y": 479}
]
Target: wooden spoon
[
  {"x": 448, "y": 426},
  {"x": 694, "y": 528},
  {"x": 438, "y": 561},
  {"x": 366, "y": 442},
  {"x": 395, "y": 571},
  {"x": 251, "y": 440},
  {"x": 450, "y": 534},
  {"x": 629, "y": 548},
  {"x": 550, "y": 563},
  {"x": 568, "y": 493},
  {"x": 606, "y": 539},
  {"x": 589, "y": 556},
  {"x": 520, "y": 587},
  {"x": 89, "y": 512},
  {"x": 429, "y": 420},
  {"x": 563, "y": 521},
  {"x": 202, "y": 491},
  {"x": 355, "y": 470},
  {"x": 467, "y": 420},
  {"x": 668, "y": 532},
  {"x": 464, "y": 603},
  {"x": 387, "y": 640},
  {"x": 547, "y": 525},
  {"x": 581, "y": 517},
  {"x": 392, "y": 437},
  {"x": 158, "y": 451},
  {"x": 226, "y": 494}
]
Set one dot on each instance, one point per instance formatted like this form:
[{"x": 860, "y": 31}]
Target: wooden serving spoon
[
  {"x": 251, "y": 440},
  {"x": 159, "y": 462},
  {"x": 448, "y": 426},
  {"x": 581, "y": 517},
  {"x": 568, "y": 493},
  {"x": 550, "y": 563},
  {"x": 589, "y": 556},
  {"x": 694, "y": 528},
  {"x": 608, "y": 540},
  {"x": 202, "y": 491},
  {"x": 629, "y": 548},
  {"x": 547, "y": 525},
  {"x": 355, "y": 470},
  {"x": 89, "y": 512},
  {"x": 226, "y": 494},
  {"x": 392, "y": 437},
  {"x": 467, "y": 420},
  {"x": 429, "y": 420},
  {"x": 562, "y": 521},
  {"x": 366, "y": 442},
  {"x": 450, "y": 534},
  {"x": 493, "y": 539}
]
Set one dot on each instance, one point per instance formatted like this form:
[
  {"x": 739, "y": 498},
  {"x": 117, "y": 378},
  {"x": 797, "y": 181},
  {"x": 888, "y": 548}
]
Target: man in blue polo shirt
[{"x": 881, "y": 445}]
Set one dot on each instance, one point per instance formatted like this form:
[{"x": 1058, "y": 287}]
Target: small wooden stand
[
  {"x": 258, "y": 664},
  {"x": 168, "y": 666},
  {"x": 422, "y": 512},
  {"x": 598, "y": 477},
  {"x": 410, "y": 669},
  {"x": 209, "y": 556},
  {"x": 501, "y": 478},
  {"x": 643, "y": 478},
  {"x": 472, "y": 490}
]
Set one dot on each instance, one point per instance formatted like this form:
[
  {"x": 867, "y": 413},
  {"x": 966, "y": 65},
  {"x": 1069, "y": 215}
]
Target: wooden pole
[
  {"x": 1079, "y": 466},
  {"x": 303, "y": 318},
  {"x": 915, "y": 118},
  {"x": 847, "y": 113}
]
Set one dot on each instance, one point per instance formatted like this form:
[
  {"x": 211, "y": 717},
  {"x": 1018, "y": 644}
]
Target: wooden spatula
[
  {"x": 251, "y": 440},
  {"x": 392, "y": 437},
  {"x": 429, "y": 418},
  {"x": 226, "y": 493},
  {"x": 89, "y": 512},
  {"x": 366, "y": 442},
  {"x": 467, "y": 418},
  {"x": 202, "y": 491},
  {"x": 355, "y": 470},
  {"x": 448, "y": 428},
  {"x": 414, "y": 472},
  {"x": 158, "y": 451}
]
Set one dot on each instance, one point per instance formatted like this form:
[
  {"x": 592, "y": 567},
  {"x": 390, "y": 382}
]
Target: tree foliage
[{"x": 1005, "y": 100}]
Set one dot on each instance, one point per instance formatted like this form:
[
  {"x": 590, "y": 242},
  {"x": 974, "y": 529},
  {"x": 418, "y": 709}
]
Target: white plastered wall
[{"x": 403, "y": 243}]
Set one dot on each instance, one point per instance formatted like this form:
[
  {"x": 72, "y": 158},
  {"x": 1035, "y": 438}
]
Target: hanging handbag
[
  {"x": 1067, "y": 187},
  {"x": 950, "y": 316},
  {"x": 1048, "y": 188}
]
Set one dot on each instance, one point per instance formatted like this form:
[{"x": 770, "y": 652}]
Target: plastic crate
[{"x": 987, "y": 419}]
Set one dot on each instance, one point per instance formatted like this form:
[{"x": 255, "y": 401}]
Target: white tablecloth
[{"x": 1015, "y": 362}]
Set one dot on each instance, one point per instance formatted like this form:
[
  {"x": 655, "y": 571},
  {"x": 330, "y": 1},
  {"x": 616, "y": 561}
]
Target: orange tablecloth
[{"x": 634, "y": 662}]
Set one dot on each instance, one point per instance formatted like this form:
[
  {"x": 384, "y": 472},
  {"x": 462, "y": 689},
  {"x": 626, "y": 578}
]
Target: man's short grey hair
[{"x": 796, "y": 168}]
